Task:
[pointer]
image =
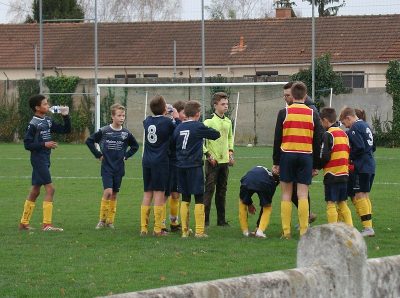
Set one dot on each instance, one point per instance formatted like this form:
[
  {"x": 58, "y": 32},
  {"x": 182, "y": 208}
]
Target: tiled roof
[{"x": 264, "y": 41}]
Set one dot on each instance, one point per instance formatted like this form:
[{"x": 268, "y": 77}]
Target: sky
[{"x": 191, "y": 9}]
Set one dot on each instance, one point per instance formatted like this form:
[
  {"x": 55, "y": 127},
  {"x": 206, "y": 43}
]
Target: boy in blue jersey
[
  {"x": 114, "y": 141},
  {"x": 188, "y": 138},
  {"x": 158, "y": 129},
  {"x": 261, "y": 181},
  {"x": 38, "y": 140},
  {"x": 361, "y": 155}
]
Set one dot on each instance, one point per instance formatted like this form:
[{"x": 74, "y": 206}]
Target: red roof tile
[{"x": 266, "y": 41}]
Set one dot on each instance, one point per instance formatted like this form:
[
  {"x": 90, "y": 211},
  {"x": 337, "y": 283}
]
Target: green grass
[{"x": 84, "y": 262}]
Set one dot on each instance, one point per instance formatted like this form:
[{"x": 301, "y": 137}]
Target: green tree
[
  {"x": 327, "y": 8},
  {"x": 284, "y": 4},
  {"x": 26, "y": 88},
  {"x": 393, "y": 88},
  {"x": 56, "y": 9},
  {"x": 325, "y": 78}
]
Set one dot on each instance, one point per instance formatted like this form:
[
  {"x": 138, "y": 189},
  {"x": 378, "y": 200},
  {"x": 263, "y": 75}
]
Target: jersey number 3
[
  {"x": 186, "y": 134},
  {"x": 151, "y": 134}
]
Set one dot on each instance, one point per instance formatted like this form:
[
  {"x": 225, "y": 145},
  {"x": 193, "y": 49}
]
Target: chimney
[{"x": 284, "y": 13}]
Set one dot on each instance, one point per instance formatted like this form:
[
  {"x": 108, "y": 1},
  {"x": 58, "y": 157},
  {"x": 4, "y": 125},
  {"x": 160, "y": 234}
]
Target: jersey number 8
[{"x": 151, "y": 134}]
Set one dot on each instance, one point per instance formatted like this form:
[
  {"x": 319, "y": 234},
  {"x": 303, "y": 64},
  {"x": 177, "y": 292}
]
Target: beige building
[{"x": 360, "y": 48}]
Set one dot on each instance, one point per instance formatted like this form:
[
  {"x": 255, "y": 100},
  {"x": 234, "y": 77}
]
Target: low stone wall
[{"x": 331, "y": 260}]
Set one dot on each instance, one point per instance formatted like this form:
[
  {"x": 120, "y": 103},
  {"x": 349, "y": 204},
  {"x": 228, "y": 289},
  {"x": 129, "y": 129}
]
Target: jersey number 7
[{"x": 186, "y": 134}]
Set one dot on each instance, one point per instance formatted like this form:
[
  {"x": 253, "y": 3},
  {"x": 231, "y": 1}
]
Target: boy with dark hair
[
  {"x": 361, "y": 155},
  {"x": 158, "y": 130},
  {"x": 296, "y": 155},
  {"x": 219, "y": 155},
  {"x": 38, "y": 140},
  {"x": 114, "y": 141},
  {"x": 261, "y": 181},
  {"x": 188, "y": 137},
  {"x": 335, "y": 164}
]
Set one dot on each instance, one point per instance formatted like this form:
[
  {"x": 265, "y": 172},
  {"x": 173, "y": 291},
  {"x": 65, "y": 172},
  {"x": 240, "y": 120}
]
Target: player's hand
[
  {"x": 252, "y": 209},
  {"x": 51, "y": 145},
  {"x": 315, "y": 172},
  {"x": 64, "y": 110},
  {"x": 231, "y": 159},
  {"x": 212, "y": 161},
  {"x": 276, "y": 170}
]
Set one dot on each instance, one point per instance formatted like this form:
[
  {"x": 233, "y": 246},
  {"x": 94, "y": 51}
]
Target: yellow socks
[
  {"x": 158, "y": 214},
  {"x": 365, "y": 214},
  {"x": 331, "y": 213},
  {"x": 173, "y": 210},
  {"x": 27, "y": 213},
  {"x": 199, "y": 216},
  {"x": 144, "y": 218},
  {"x": 286, "y": 216},
  {"x": 47, "y": 212},
  {"x": 112, "y": 209},
  {"x": 104, "y": 207},
  {"x": 265, "y": 217},
  {"x": 243, "y": 217},
  {"x": 303, "y": 215},
  {"x": 370, "y": 206},
  {"x": 345, "y": 212},
  {"x": 185, "y": 217},
  {"x": 164, "y": 216}
]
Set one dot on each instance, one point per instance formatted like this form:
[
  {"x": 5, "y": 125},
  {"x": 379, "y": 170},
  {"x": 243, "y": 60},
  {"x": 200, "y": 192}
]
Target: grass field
[{"x": 84, "y": 262}]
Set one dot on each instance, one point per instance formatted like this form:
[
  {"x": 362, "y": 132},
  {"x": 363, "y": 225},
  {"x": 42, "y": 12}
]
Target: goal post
[{"x": 254, "y": 97}]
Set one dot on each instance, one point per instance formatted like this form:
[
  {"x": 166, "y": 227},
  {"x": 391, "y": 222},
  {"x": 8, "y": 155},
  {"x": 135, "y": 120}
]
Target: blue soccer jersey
[
  {"x": 188, "y": 137},
  {"x": 157, "y": 130},
  {"x": 362, "y": 147},
  {"x": 38, "y": 133},
  {"x": 113, "y": 145},
  {"x": 259, "y": 179}
]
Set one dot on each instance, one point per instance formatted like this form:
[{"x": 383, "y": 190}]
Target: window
[
  {"x": 266, "y": 73},
  {"x": 123, "y": 76},
  {"x": 150, "y": 75},
  {"x": 353, "y": 79}
]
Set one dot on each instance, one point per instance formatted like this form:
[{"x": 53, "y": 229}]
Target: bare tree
[
  {"x": 111, "y": 10},
  {"x": 133, "y": 10},
  {"x": 240, "y": 9}
]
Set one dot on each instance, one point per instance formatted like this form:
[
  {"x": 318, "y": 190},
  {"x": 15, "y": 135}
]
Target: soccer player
[
  {"x": 38, "y": 140},
  {"x": 219, "y": 155},
  {"x": 361, "y": 155},
  {"x": 298, "y": 133},
  {"x": 335, "y": 152},
  {"x": 114, "y": 141},
  {"x": 188, "y": 137},
  {"x": 172, "y": 191},
  {"x": 158, "y": 129},
  {"x": 261, "y": 181},
  {"x": 308, "y": 102}
]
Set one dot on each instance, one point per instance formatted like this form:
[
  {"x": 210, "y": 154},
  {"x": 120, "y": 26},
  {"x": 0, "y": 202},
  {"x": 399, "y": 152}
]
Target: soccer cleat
[
  {"x": 161, "y": 234},
  {"x": 143, "y": 233},
  {"x": 260, "y": 234},
  {"x": 368, "y": 232},
  {"x": 201, "y": 235},
  {"x": 187, "y": 233},
  {"x": 312, "y": 217},
  {"x": 286, "y": 237},
  {"x": 165, "y": 230},
  {"x": 100, "y": 225},
  {"x": 110, "y": 225},
  {"x": 25, "y": 227},
  {"x": 246, "y": 233},
  {"x": 223, "y": 224},
  {"x": 175, "y": 227},
  {"x": 51, "y": 228}
]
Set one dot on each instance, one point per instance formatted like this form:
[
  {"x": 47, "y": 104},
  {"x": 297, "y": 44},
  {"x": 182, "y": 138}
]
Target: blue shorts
[
  {"x": 191, "y": 181},
  {"x": 246, "y": 194},
  {"x": 41, "y": 174},
  {"x": 172, "y": 180},
  {"x": 112, "y": 181},
  {"x": 296, "y": 167},
  {"x": 363, "y": 182},
  {"x": 155, "y": 178},
  {"x": 336, "y": 192},
  {"x": 350, "y": 185}
]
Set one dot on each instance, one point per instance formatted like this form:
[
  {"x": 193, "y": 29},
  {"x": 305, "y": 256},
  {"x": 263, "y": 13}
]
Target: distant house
[{"x": 361, "y": 47}]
